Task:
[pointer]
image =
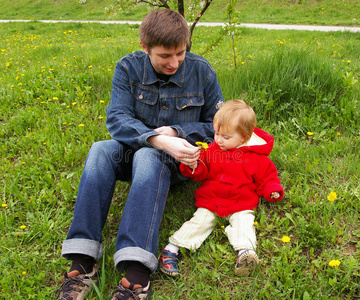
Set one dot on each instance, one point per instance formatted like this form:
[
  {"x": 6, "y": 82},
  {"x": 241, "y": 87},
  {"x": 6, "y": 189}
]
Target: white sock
[
  {"x": 172, "y": 248},
  {"x": 242, "y": 251}
]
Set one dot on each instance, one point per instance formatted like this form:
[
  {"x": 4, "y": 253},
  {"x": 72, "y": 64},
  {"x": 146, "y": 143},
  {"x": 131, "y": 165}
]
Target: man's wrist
[{"x": 157, "y": 141}]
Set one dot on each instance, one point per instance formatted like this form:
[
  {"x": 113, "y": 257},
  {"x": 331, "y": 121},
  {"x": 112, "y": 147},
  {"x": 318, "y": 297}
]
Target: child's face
[{"x": 228, "y": 139}]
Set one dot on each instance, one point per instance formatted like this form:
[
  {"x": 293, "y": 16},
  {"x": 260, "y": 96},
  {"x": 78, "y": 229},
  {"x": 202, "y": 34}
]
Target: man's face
[{"x": 166, "y": 61}]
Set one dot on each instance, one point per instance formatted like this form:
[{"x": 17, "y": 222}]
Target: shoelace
[
  {"x": 124, "y": 292},
  {"x": 68, "y": 285}
]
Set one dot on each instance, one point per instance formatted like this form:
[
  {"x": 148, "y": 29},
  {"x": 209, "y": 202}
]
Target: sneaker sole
[
  {"x": 247, "y": 262},
  {"x": 172, "y": 274}
]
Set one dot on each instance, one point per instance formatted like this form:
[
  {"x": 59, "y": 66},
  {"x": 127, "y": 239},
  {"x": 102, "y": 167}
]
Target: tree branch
[
  {"x": 208, "y": 2},
  {"x": 163, "y": 3}
]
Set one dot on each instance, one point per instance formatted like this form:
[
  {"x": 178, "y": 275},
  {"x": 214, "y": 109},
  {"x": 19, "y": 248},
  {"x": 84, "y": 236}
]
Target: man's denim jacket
[{"x": 140, "y": 102}]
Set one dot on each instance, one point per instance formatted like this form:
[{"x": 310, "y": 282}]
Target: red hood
[{"x": 260, "y": 142}]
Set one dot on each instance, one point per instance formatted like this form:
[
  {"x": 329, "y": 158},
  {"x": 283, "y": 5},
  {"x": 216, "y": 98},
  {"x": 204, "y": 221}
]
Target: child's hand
[
  {"x": 193, "y": 167},
  {"x": 275, "y": 195}
]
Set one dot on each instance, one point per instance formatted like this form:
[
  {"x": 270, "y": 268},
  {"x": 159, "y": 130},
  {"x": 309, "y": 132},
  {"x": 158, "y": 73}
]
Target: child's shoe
[
  {"x": 168, "y": 263},
  {"x": 245, "y": 262}
]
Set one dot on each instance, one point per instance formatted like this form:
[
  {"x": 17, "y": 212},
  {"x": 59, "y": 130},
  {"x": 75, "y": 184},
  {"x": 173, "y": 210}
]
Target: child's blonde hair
[{"x": 236, "y": 115}]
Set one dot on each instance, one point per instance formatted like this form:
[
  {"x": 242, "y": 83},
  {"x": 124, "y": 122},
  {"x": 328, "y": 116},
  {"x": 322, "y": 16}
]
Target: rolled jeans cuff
[
  {"x": 81, "y": 246},
  {"x": 135, "y": 254}
]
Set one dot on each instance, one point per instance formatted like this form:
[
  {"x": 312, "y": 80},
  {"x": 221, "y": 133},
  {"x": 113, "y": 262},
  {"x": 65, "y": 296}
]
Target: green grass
[
  {"x": 54, "y": 88},
  {"x": 316, "y": 12}
]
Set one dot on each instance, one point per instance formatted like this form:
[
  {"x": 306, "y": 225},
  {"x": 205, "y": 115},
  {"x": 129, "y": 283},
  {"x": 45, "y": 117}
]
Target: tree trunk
[{"x": 181, "y": 7}]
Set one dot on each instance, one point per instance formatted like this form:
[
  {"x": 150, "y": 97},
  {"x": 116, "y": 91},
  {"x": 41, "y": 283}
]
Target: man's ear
[{"x": 144, "y": 47}]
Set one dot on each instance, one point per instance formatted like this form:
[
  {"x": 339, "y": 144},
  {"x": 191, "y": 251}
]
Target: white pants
[{"x": 240, "y": 231}]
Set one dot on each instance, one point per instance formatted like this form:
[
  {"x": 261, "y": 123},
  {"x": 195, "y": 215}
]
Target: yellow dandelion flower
[
  {"x": 332, "y": 196},
  {"x": 102, "y": 101},
  {"x": 90, "y": 67},
  {"x": 222, "y": 226},
  {"x": 55, "y": 98},
  {"x": 310, "y": 133},
  {"x": 202, "y": 145},
  {"x": 81, "y": 125},
  {"x": 23, "y": 273},
  {"x": 22, "y": 227},
  {"x": 74, "y": 103},
  {"x": 256, "y": 223},
  {"x": 334, "y": 263},
  {"x": 16, "y": 234},
  {"x": 338, "y": 134},
  {"x": 44, "y": 143},
  {"x": 285, "y": 239},
  {"x": 101, "y": 117},
  {"x": 23, "y": 162}
]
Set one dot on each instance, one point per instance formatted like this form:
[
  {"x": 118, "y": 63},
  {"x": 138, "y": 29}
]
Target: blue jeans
[{"x": 151, "y": 172}]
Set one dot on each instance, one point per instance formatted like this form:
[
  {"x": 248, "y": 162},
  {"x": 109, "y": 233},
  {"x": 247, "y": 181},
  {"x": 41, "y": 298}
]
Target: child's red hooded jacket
[{"x": 233, "y": 180}]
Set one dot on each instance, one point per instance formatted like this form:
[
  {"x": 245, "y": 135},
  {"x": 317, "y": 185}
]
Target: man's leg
[
  {"x": 106, "y": 162},
  {"x": 138, "y": 234},
  {"x": 137, "y": 240}
]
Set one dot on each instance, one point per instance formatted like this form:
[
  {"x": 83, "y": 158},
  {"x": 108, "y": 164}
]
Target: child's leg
[
  {"x": 191, "y": 235},
  {"x": 241, "y": 230},
  {"x": 195, "y": 231},
  {"x": 172, "y": 248},
  {"x": 241, "y": 234}
]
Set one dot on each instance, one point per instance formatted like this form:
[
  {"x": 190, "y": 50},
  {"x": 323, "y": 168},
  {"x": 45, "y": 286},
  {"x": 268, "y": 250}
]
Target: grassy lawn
[
  {"x": 314, "y": 12},
  {"x": 304, "y": 87}
]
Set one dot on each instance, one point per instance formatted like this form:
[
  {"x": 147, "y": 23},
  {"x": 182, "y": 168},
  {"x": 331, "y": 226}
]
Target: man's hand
[
  {"x": 178, "y": 148},
  {"x": 167, "y": 130}
]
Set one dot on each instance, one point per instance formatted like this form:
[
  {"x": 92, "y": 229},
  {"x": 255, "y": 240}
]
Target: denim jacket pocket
[
  {"x": 188, "y": 109},
  {"x": 145, "y": 104}
]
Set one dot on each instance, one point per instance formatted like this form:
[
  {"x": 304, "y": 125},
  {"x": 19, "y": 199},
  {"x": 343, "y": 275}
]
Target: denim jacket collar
[{"x": 150, "y": 74}]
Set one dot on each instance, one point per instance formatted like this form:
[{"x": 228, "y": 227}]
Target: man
[{"x": 163, "y": 100}]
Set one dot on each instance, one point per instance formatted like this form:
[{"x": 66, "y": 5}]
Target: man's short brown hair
[
  {"x": 236, "y": 115},
  {"x": 165, "y": 28}
]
